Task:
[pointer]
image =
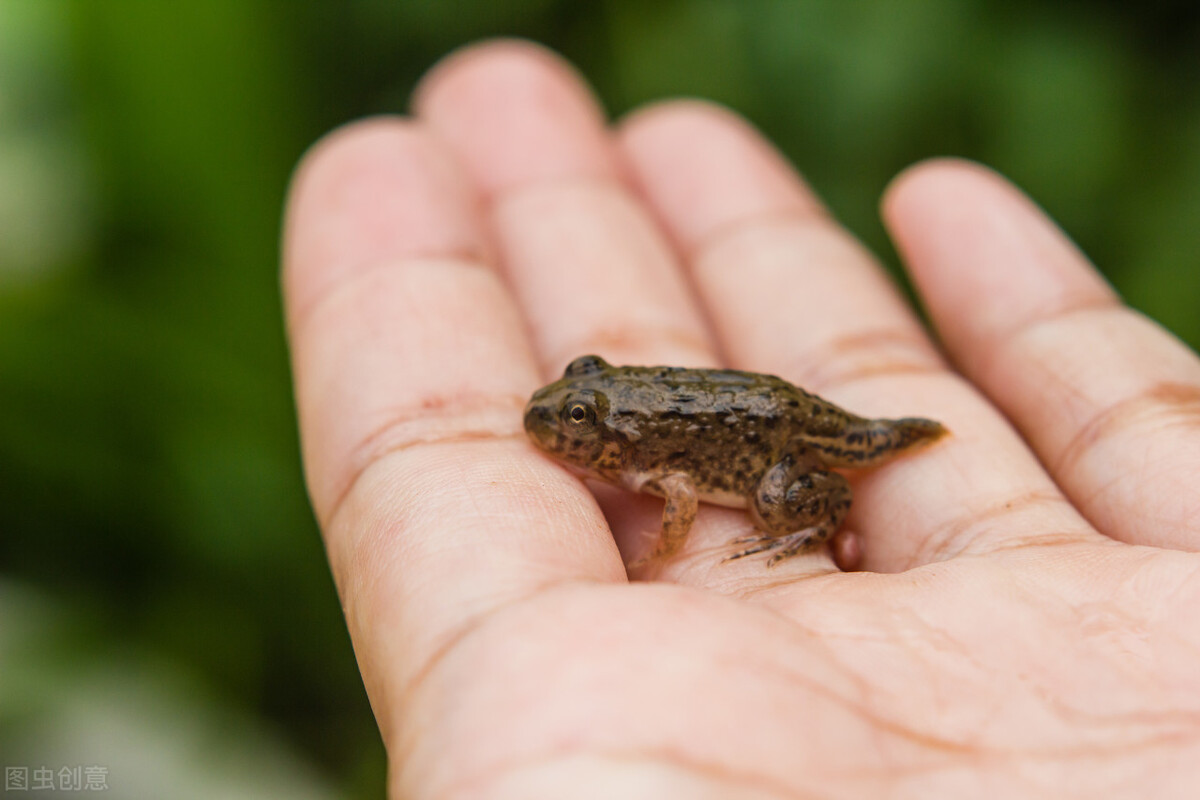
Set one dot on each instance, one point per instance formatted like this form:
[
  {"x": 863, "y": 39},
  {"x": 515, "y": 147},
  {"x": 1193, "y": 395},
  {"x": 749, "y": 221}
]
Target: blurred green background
[{"x": 165, "y": 607}]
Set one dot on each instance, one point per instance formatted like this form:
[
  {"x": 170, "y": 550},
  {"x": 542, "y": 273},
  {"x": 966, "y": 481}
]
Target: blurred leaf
[{"x": 676, "y": 48}]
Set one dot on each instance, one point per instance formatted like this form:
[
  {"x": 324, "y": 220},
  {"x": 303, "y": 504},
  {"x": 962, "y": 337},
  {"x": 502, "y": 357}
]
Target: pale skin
[{"x": 1025, "y": 622}]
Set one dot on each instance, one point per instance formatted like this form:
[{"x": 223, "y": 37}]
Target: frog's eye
[{"x": 578, "y": 414}]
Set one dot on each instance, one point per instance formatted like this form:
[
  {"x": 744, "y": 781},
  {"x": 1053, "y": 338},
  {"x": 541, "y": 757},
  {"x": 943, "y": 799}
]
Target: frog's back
[
  {"x": 723, "y": 427},
  {"x": 729, "y": 395},
  {"x": 694, "y": 394}
]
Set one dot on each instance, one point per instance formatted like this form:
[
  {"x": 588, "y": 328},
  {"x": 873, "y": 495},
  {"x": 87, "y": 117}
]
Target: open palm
[{"x": 1026, "y": 622}]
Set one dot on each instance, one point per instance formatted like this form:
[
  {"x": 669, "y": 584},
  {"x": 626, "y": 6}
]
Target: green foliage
[{"x": 155, "y": 514}]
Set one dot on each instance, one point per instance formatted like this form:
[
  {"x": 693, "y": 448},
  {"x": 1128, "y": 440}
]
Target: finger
[
  {"x": 411, "y": 370},
  {"x": 790, "y": 292},
  {"x": 590, "y": 270},
  {"x": 1108, "y": 399},
  {"x": 589, "y": 266}
]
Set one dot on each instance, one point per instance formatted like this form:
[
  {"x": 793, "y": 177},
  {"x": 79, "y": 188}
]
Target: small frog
[{"x": 735, "y": 439}]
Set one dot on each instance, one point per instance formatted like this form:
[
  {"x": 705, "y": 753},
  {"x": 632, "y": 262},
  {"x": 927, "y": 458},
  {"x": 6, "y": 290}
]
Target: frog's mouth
[
  {"x": 539, "y": 422},
  {"x": 542, "y": 428}
]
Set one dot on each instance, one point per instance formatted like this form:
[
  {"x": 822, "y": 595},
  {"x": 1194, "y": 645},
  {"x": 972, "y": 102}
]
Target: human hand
[{"x": 1026, "y": 625}]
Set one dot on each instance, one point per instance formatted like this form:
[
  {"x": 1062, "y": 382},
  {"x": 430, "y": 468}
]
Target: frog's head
[{"x": 569, "y": 419}]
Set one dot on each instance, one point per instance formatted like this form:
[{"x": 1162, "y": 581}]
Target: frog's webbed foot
[{"x": 788, "y": 545}]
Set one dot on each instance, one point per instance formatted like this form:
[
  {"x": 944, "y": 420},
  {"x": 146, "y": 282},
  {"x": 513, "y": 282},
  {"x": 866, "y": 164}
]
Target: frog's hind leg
[{"x": 797, "y": 505}]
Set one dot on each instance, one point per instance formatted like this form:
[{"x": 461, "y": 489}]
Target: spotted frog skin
[{"x": 735, "y": 439}]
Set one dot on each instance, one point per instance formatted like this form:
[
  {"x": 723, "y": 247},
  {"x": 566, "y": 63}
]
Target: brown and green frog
[{"x": 731, "y": 438}]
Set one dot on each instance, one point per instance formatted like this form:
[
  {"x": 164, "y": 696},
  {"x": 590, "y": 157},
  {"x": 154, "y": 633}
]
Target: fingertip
[
  {"x": 333, "y": 155},
  {"x": 915, "y": 184},
  {"x": 983, "y": 255},
  {"x": 704, "y": 168},
  {"x": 371, "y": 191},
  {"x": 314, "y": 155},
  {"x": 514, "y": 56},
  {"x": 516, "y": 113},
  {"x": 665, "y": 117}
]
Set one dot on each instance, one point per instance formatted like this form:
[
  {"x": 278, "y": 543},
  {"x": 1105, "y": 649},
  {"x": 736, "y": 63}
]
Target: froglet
[{"x": 731, "y": 438}]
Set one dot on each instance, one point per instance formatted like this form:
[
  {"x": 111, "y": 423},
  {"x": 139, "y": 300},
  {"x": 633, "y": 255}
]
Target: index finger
[{"x": 411, "y": 369}]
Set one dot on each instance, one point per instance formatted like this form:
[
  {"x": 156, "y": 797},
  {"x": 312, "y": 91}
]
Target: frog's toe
[
  {"x": 780, "y": 556},
  {"x": 761, "y": 545},
  {"x": 798, "y": 543}
]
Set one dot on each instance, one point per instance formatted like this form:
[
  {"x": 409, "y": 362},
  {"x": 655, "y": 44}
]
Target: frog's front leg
[
  {"x": 798, "y": 504},
  {"x": 678, "y": 514}
]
